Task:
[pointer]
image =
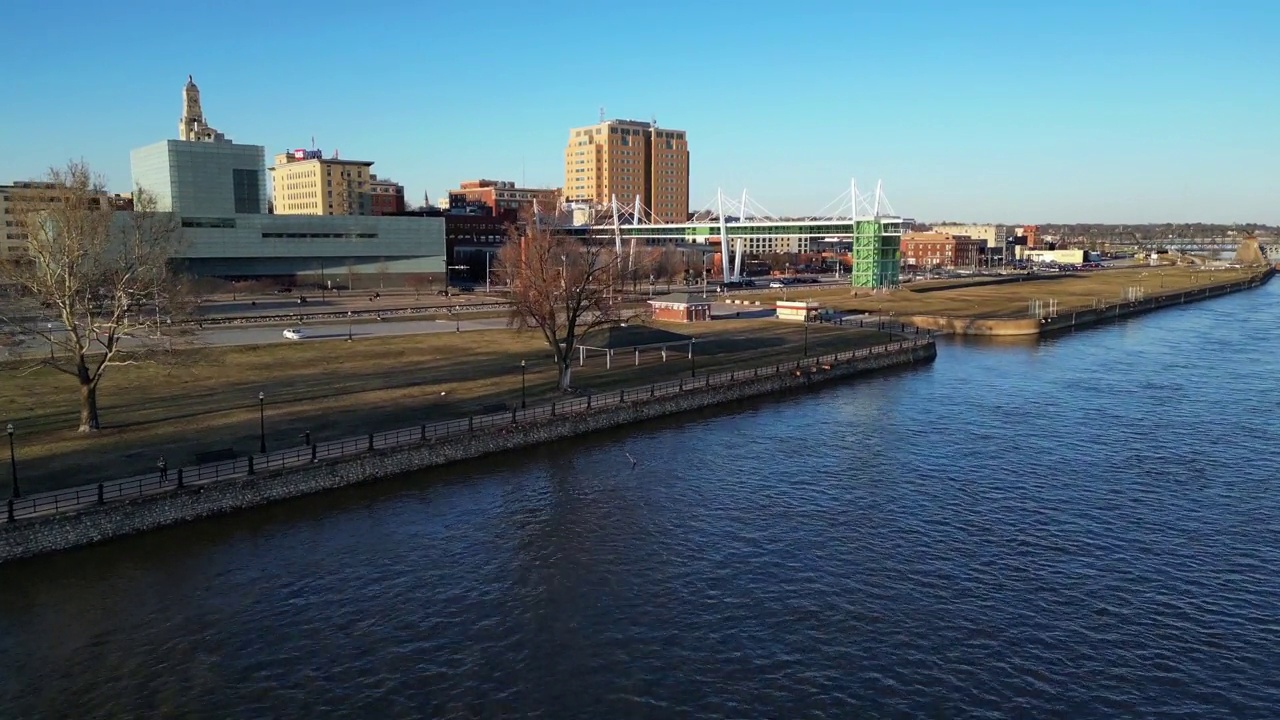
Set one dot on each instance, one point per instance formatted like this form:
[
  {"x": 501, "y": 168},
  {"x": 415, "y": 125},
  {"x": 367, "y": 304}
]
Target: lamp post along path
[
  {"x": 262, "y": 424},
  {"x": 13, "y": 464}
]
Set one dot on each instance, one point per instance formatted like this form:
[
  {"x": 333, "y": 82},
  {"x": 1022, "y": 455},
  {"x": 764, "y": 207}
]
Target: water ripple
[{"x": 1086, "y": 527}]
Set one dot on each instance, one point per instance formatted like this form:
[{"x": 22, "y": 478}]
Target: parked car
[
  {"x": 777, "y": 284},
  {"x": 295, "y": 334}
]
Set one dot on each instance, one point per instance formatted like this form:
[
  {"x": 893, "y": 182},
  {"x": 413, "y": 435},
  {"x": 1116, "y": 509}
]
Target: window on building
[{"x": 244, "y": 189}]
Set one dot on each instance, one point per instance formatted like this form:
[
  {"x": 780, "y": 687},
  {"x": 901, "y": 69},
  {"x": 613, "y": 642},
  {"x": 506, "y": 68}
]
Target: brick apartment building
[
  {"x": 498, "y": 196},
  {"x": 939, "y": 249}
]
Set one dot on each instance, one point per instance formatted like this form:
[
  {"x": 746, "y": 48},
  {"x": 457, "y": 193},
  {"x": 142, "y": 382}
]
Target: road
[{"x": 269, "y": 333}]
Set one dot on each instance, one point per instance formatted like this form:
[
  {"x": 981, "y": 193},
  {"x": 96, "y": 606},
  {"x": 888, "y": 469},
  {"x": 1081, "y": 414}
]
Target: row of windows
[{"x": 325, "y": 236}]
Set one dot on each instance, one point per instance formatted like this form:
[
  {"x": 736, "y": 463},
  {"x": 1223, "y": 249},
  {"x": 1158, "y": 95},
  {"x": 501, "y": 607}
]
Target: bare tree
[
  {"x": 418, "y": 282},
  {"x": 382, "y": 274},
  {"x": 103, "y": 275},
  {"x": 559, "y": 286}
]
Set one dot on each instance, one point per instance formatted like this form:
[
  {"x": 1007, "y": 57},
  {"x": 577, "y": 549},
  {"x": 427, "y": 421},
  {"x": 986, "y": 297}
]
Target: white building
[{"x": 990, "y": 235}]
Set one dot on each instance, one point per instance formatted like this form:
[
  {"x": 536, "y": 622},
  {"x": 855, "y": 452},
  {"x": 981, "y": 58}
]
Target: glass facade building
[{"x": 203, "y": 178}]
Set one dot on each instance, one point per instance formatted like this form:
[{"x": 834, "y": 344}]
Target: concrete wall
[{"x": 45, "y": 535}]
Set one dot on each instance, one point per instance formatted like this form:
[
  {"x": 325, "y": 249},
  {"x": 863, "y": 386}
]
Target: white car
[
  {"x": 295, "y": 334},
  {"x": 777, "y": 284}
]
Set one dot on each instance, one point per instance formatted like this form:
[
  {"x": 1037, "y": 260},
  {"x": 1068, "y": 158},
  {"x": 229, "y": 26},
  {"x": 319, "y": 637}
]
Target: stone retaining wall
[{"x": 28, "y": 538}]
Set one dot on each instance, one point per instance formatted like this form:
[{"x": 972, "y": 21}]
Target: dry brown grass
[
  {"x": 336, "y": 389},
  {"x": 1075, "y": 291}
]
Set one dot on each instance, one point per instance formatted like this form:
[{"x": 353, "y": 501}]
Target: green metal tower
[{"x": 877, "y": 252}]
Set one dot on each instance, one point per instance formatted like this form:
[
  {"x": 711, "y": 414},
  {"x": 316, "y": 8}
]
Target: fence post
[
  {"x": 250, "y": 465},
  {"x": 513, "y": 416},
  {"x": 422, "y": 432},
  {"x": 588, "y": 401},
  {"x": 102, "y": 499},
  {"x": 371, "y": 441},
  {"x": 650, "y": 391},
  {"x": 708, "y": 383},
  {"x": 553, "y": 408},
  {"x": 471, "y": 423},
  {"x": 313, "y": 453},
  {"x": 10, "y": 509},
  {"x": 681, "y": 384},
  {"x": 180, "y": 472},
  {"x": 622, "y": 396}
]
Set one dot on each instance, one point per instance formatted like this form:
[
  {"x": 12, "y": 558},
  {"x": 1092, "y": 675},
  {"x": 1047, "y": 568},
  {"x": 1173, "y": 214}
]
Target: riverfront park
[{"x": 202, "y": 399}]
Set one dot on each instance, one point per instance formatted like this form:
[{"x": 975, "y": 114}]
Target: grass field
[
  {"x": 208, "y": 398},
  {"x": 1075, "y": 291}
]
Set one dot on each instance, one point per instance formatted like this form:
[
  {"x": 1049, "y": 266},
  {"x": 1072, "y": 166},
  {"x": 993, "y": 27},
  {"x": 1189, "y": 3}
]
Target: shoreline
[
  {"x": 1028, "y": 326},
  {"x": 89, "y": 518}
]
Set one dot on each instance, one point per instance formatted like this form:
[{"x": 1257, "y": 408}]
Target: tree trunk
[
  {"x": 88, "y": 405},
  {"x": 566, "y": 371}
]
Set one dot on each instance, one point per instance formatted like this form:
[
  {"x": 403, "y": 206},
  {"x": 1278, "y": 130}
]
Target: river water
[{"x": 1086, "y": 526}]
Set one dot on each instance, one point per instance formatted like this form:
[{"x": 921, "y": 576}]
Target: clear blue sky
[{"x": 1119, "y": 111}]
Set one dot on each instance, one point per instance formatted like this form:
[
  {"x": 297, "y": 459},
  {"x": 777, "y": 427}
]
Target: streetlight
[
  {"x": 693, "y": 362},
  {"x": 262, "y": 424},
  {"x": 50, "y": 342},
  {"x": 806, "y": 336},
  {"x": 13, "y": 463},
  {"x": 349, "y": 322},
  {"x": 522, "y": 370}
]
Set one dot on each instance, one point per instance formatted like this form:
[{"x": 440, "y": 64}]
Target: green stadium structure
[{"x": 861, "y": 227}]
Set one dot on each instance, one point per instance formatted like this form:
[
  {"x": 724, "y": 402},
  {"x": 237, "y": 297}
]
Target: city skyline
[{"x": 986, "y": 113}]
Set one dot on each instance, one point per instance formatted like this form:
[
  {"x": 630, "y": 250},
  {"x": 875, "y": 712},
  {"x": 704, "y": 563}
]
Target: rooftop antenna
[{"x": 601, "y": 113}]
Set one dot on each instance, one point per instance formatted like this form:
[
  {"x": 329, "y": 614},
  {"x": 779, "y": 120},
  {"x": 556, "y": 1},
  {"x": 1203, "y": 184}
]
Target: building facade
[
  {"x": 310, "y": 248},
  {"x": 494, "y": 197},
  {"x": 304, "y": 182},
  {"x": 681, "y": 307},
  {"x": 202, "y": 178},
  {"x": 940, "y": 249},
  {"x": 993, "y": 236},
  {"x": 386, "y": 196},
  {"x": 628, "y": 159}
]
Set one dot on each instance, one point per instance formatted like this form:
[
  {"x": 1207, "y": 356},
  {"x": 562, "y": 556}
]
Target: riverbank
[
  {"x": 1056, "y": 319},
  {"x": 206, "y": 399},
  {"x": 90, "y": 515},
  {"x": 978, "y": 299}
]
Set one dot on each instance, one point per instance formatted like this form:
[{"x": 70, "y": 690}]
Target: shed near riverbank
[
  {"x": 681, "y": 307},
  {"x": 630, "y": 337}
]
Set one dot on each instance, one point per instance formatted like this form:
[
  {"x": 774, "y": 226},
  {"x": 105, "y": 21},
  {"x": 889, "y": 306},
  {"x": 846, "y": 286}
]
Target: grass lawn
[
  {"x": 208, "y": 398},
  {"x": 1078, "y": 291}
]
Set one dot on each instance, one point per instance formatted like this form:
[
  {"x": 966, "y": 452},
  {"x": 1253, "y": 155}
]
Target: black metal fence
[{"x": 164, "y": 480}]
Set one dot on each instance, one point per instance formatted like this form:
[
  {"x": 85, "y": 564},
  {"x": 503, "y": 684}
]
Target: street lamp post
[
  {"x": 522, "y": 371},
  {"x": 262, "y": 424},
  {"x": 350, "y": 320},
  {"x": 806, "y": 337},
  {"x": 693, "y": 359},
  {"x": 50, "y": 342},
  {"x": 13, "y": 463}
]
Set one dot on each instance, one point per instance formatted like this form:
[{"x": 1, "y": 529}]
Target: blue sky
[{"x": 1120, "y": 111}]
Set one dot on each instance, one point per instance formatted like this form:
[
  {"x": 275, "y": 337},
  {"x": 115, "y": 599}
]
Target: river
[{"x": 1084, "y": 526}]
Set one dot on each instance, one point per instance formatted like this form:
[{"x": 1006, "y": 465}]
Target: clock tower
[{"x": 192, "y": 126}]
